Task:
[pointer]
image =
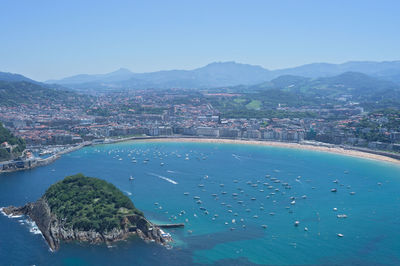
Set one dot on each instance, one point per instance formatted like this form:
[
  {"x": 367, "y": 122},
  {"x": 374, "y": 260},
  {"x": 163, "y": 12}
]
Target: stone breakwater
[{"x": 54, "y": 232}]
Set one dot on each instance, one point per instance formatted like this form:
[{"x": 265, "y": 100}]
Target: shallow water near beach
[{"x": 244, "y": 216}]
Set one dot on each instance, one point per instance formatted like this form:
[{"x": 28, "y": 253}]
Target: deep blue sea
[{"x": 238, "y": 189}]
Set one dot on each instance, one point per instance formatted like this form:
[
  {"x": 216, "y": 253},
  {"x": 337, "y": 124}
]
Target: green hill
[
  {"x": 12, "y": 77},
  {"x": 356, "y": 84},
  {"x": 22, "y": 92},
  {"x": 17, "y": 144},
  {"x": 87, "y": 203}
]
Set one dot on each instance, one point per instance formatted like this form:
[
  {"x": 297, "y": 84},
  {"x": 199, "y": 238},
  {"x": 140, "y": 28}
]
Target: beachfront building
[{"x": 207, "y": 132}]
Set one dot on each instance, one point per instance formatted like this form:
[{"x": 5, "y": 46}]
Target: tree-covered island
[{"x": 87, "y": 209}]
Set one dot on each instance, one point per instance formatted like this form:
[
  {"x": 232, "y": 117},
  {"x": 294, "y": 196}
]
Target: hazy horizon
[
  {"x": 189, "y": 69},
  {"x": 51, "y": 40}
]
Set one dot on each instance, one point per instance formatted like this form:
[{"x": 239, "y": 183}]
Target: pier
[{"x": 171, "y": 225}]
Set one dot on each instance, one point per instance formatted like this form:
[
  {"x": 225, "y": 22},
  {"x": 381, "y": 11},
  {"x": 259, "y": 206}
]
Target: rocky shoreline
[{"x": 54, "y": 232}]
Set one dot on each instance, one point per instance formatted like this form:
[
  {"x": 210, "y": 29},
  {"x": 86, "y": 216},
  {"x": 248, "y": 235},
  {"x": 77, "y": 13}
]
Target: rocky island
[{"x": 87, "y": 209}]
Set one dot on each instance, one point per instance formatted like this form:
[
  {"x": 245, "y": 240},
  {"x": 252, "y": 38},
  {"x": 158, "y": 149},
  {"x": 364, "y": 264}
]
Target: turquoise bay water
[{"x": 371, "y": 229}]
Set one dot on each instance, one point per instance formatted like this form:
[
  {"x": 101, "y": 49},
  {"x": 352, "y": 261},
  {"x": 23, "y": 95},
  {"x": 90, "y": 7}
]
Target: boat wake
[
  {"x": 236, "y": 156},
  {"x": 164, "y": 178},
  {"x": 298, "y": 181},
  {"x": 128, "y": 193},
  {"x": 171, "y": 172}
]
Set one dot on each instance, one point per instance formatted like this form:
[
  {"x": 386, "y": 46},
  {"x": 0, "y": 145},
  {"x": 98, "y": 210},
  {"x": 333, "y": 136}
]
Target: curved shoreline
[
  {"x": 299, "y": 146},
  {"x": 347, "y": 151}
]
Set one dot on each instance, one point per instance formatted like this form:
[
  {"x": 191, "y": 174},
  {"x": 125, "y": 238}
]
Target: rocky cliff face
[{"x": 54, "y": 231}]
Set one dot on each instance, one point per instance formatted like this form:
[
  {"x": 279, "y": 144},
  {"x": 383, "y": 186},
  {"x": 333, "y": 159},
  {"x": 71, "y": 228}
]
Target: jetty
[{"x": 171, "y": 225}]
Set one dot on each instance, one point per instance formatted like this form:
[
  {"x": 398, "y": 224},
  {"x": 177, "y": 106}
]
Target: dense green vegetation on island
[
  {"x": 17, "y": 144},
  {"x": 88, "y": 203}
]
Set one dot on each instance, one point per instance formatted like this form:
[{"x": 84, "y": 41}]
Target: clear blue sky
[{"x": 45, "y": 39}]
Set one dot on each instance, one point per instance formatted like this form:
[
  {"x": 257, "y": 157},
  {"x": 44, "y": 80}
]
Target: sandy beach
[{"x": 347, "y": 152}]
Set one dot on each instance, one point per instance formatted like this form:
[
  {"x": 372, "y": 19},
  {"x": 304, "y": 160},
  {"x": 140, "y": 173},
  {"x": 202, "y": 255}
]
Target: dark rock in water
[{"x": 56, "y": 229}]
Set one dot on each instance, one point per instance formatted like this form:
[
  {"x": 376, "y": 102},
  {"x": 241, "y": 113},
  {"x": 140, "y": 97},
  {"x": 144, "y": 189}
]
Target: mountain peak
[
  {"x": 122, "y": 70},
  {"x": 222, "y": 63}
]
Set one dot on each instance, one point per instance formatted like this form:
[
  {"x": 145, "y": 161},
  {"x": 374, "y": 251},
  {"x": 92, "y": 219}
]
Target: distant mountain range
[
  {"x": 379, "y": 84},
  {"x": 224, "y": 74},
  {"x": 212, "y": 75},
  {"x": 362, "y": 75}
]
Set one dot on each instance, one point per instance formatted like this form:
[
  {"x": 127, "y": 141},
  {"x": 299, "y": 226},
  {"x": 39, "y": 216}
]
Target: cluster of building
[{"x": 188, "y": 113}]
